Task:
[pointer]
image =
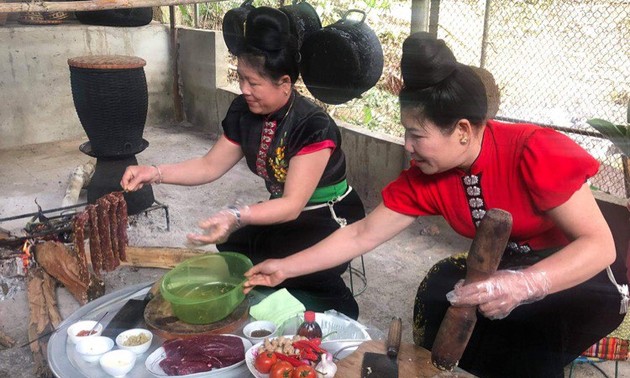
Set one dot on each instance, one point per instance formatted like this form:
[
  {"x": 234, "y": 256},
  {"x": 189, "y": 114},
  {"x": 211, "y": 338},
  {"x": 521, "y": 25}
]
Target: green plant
[{"x": 619, "y": 135}]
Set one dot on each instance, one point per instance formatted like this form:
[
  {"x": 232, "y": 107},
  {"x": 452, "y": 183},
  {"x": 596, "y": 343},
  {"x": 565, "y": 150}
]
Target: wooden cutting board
[
  {"x": 159, "y": 317},
  {"x": 413, "y": 361}
]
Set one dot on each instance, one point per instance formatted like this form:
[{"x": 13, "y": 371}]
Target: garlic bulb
[{"x": 326, "y": 368}]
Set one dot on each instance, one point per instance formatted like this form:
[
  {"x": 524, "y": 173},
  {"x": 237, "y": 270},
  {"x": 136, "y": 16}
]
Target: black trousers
[
  {"x": 535, "y": 340},
  {"x": 318, "y": 291}
]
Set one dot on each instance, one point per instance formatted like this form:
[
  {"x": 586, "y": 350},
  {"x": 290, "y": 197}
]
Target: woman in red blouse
[
  {"x": 550, "y": 299},
  {"x": 294, "y": 146}
]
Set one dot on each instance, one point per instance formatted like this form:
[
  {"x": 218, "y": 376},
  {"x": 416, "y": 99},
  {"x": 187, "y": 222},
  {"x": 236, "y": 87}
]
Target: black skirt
[
  {"x": 318, "y": 291},
  {"x": 535, "y": 340}
]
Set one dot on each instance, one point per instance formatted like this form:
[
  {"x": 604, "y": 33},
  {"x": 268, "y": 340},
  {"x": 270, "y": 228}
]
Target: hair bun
[
  {"x": 426, "y": 61},
  {"x": 267, "y": 29}
]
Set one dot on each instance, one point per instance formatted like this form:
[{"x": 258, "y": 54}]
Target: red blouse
[{"x": 523, "y": 169}]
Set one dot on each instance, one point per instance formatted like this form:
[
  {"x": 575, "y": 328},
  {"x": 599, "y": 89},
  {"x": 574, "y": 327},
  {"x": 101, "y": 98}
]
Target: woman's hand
[
  {"x": 136, "y": 176},
  {"x": 220, "y": 225},
  {"x": 502, "y": 292},
  {"x": 267, "y": 273}
]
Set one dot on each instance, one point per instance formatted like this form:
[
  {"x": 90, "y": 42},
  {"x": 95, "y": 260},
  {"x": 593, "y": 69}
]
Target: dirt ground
[{"x": 41, "y": 172}]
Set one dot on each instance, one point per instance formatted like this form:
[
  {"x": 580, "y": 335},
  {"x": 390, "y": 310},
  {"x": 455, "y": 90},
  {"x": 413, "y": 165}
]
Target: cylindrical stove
[{"x": 111, "y": 99}]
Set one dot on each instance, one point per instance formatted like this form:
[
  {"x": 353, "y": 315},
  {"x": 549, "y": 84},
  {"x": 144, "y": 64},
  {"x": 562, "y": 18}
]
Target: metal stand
[
  {"x": 41, "y": 225},
  {"x": 158, "y": 205},
  {"x": 360, "y": 275}
]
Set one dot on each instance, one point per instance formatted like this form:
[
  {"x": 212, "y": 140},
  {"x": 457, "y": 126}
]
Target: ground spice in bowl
[
  {"x": 135, "y": 340},
  {"x": 261, "y": 333}
]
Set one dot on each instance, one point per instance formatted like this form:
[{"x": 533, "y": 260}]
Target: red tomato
[
  {"x": 264, "y": 362},
  {"x": 304, "y": 371},
  {"x": 281, "y": 369}
]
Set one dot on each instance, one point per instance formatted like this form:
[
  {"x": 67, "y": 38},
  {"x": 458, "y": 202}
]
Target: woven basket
[
  {"x": 42, "y": 18},
  {"x": 111, "y": 99}
]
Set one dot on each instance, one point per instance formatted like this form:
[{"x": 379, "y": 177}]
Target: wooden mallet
[{"x": 483, "y": 259}]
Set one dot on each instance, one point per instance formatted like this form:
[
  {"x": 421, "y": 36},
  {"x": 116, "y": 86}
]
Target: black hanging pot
[
  {"x": 234, "y": 26},
  {"x": 117, "y": 17},
  {"x": 341, "y": 60},
  {"x": 303, "y": 19}
]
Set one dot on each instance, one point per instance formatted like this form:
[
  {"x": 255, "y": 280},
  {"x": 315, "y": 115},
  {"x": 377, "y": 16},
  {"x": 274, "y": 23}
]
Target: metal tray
[{"x": 64, "y": 362}]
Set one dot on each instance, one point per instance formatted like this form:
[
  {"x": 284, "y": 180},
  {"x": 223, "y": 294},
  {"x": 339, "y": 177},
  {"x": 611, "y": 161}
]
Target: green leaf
[
  {"x": 367, "y": 114},
  {"x": 609, "y": 129},
  {"x": 619, "y": 135}
]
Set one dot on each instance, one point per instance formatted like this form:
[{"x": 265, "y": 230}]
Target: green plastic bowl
[{"x": 207, "y": 288}]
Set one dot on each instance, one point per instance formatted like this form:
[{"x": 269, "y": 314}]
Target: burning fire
[{"x": 26, "y": 254}]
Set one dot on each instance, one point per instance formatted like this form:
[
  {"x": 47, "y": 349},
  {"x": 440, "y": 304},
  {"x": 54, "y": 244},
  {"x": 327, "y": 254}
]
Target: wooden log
[
  {"x": 93, "y": 5},
  {"x": 63, "y": 265},
  {"x": 79, "y": 179},
  {"x": 13, "y": 242},
  {"x": 50, "y": 296},
  {"x": 158, "y": 257},
  {"x": 39, "y": 321},
  {"x": 4, "y": 234}
]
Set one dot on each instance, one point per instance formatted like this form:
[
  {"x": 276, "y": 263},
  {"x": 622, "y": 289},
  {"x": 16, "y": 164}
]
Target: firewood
[
  {"x": 158, "y": 257},
  {"x": 78, "y": 180},
  {"x": 39, "y": 321},
  {"x": 4, "y": 234},
  {"x": 12, "y": 242},
  {"x": 50, "y": 295},
  {"x": 58, "y": 261}
]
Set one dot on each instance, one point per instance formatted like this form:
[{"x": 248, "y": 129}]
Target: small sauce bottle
[{"x": 309, "y": 328}]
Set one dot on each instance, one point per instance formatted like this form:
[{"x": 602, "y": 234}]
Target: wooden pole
[
  {"x": 177, "y": 100},
  {"x": 92, "y": 5},
  {"x": 626, "y": 173}
]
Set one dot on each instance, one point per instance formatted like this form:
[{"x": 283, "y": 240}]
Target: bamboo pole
[{"x": 92, "y": 5}]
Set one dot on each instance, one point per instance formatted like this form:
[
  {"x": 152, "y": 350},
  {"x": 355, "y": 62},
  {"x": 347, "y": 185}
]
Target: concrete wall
[
  {"x": 203, "y": 67},
  {"x": 35, "y": 97},
  {"x": 374, "y": 160}
]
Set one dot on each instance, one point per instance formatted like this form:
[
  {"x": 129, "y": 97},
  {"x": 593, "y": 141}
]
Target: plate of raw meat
[{"x": 198, "y": 356}]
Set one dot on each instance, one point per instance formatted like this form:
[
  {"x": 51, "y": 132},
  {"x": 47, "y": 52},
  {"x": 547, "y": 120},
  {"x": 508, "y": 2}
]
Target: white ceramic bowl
[
  {"x": 92, "y": 348},
  {"x": 124, "y": 338},
  {"x": 85, "y": 326},
  {"x": 255, "y": 330},
  {"x": 118, "y": 362}
]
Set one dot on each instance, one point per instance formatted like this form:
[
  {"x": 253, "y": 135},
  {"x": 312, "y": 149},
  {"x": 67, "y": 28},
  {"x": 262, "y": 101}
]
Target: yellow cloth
[{"x": 277, "y": 307}]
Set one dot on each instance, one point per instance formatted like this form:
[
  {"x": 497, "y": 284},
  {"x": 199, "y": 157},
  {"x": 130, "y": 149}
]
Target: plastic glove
[
  {"x": 502, "y": 292},
  {"x": 218, "y": 227}
]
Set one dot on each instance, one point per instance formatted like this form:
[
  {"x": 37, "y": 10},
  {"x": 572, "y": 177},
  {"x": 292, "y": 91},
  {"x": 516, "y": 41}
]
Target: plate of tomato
[{"x": 268, "y": 364}]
